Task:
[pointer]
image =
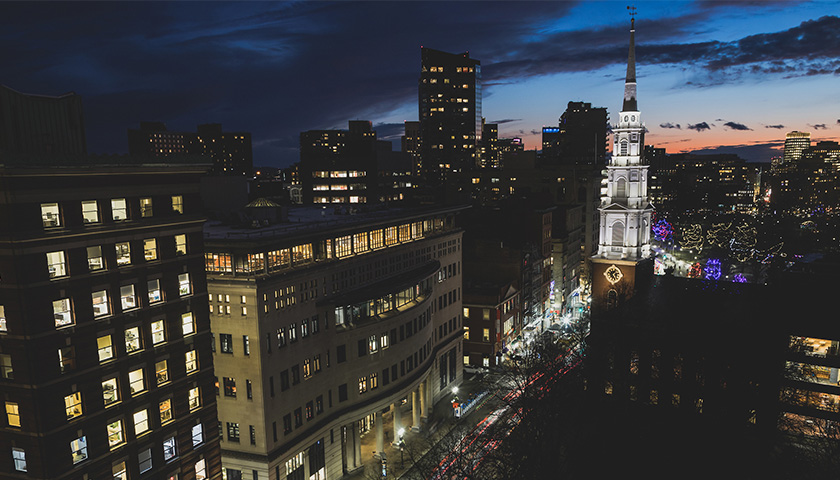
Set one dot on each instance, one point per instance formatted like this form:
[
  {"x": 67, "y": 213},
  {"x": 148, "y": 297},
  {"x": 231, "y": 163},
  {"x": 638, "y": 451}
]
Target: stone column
[
  {"x": 430, "y": 405},
  {"x": 415, "y": 410},
  {"x": 306, "y": 472},
  {"x": 424, "y": 402},
  {"x": 357, "y": 446},
  {"x": 380, "y": 434},
  {"x": 397, "y": 422}
]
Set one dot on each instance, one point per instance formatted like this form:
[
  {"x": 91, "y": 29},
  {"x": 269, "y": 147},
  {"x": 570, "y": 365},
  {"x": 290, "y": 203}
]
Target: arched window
[
  {"x": 612, "y": 298},
  {"x": 621, "y": 187},
  {"x": 618, "y": 233}
]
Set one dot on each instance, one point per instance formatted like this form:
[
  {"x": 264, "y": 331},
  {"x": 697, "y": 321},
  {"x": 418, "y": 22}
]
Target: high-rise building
[
  {"x": 410, "y": 144},
  {"x": 41, "y": 125},
  {"x": 229, "y": 152},
  {"x": 105, "y": 354},
  {"x": 625, "y": 210},
  {"x": 583, "y": 135},
  {"x": 488, "y": 147},
  {"x": 329, "y": 326},
  {"x": 795, "y": 144},
  {"x": 450, "y": 114}
]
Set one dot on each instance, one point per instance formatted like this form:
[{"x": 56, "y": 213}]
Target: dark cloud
[
  {"x": 506, "y": 120},
  {"x": 819, "y": 126},
  {"x": 838, "y": 120},
  {"x": 753, "y": 152},
  {"x": 736, "y": 126},
  {"x": 670, "y": 125},
  {"x": 778, "y": 126},
  {"x": 699, "y": 126}
]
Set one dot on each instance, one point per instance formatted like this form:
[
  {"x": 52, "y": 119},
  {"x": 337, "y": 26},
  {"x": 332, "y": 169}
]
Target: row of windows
[
  {"x": 64, "y": 312},
  {"x": 51, "y": 215},
  {"x": 116, "y": 434},
  {"x": 290, "y": 334},
  {"x": 57, "y": 261}
]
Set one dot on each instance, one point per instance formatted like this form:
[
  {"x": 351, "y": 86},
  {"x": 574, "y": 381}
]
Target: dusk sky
[{"x": 731, "y": 76}]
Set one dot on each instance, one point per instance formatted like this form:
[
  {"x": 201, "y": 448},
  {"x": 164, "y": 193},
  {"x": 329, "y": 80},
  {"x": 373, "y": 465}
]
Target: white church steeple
[{"x": 625, "y": 210}]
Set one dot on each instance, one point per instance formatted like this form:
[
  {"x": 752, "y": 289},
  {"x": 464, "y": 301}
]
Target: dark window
[
  {"x": 340, "y": 354},
  {"x": 226, "y": 342},
  {"x": 287, "y": 425},
  {"x": 402, "y": 368},
  {"x": 402, "y": 332},
  {"x": 298, "y": 417},
  {"x": 362, "y": 348},
  {"x": 233, "y": 431},
  {"x": 310, "y": 410},
  {"x": 319, "y": 404},
  {"x": 393, "y": 336},
  {"x": 271, "y": 386},
  {"x": 385, "y": 379},
  {"x": 253, "y": 432},
  {"x": 315, "y": 325},
  {"x": 249, "y": 390},
  {"x": 342, "y": 392},
  {"x": 274, "y": 430},
  {"x": 230, "y": 386},
  {"x": 295, "y": 374},
  {"x": 394, "y": 371},
  {"x": 284, "y": 380}
]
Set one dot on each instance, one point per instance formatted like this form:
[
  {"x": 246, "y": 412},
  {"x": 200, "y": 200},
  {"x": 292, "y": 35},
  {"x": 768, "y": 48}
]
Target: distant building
[
  {"x": 410, "y": 144},
  {"x": 550, "y": 152},
  {"x": 450, "y": 114},
  {"x": 795, "y": 144},
  {"x": 583, "y": 135},
  {"x": 105, "y": 344},
  {"x": 686, "y": 183},
  {"x": 39, "y": 126},
  {"x": 488, "y": 146},
  {"x": 230, "y": 152},
  {"x": 492, "y": 322}
]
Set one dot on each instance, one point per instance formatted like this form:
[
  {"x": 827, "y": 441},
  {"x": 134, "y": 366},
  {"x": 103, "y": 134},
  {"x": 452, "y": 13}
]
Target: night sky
[{"x": 729, "y": 76}]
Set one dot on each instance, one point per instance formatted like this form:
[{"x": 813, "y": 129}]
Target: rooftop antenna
[{"x": 632, "y": 10}]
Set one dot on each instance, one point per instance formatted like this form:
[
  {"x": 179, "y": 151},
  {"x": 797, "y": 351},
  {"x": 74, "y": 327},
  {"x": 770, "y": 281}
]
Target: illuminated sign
[{"x": 551, "y": 130}]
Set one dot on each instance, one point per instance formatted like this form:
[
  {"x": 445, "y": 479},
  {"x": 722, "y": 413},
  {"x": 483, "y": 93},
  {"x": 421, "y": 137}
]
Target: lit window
[
  {"x": 165, "y": 408},
  {"x": 194, "y": 399},
  {"x": 6, "y": 370},
  {"x": 119, "y": 209},
  {"x": 169, "y": 450},
  {"x": 100, "y": 303},
  {"x": 128, "y": 300},
  {"x": 226, "y": 342},
  {"x": 466, "y": 332},
  {"x": 13, "y": 414},
  {"x": 184, "y": 284},
  {"x": 486, "y": 336},
  {"x": 200, "y": 470},
  {"x": 50, "y": 215},
  {"x": 95, "y": 260},
  {"x": 62, "y": 312},
  {"x": 66, "y": 359},
  {"x": 78, "y": 449},
  {"x": 104, "y": 347},
  {"x": 191, "y": 361},
  {"x": 150, "y": 249},
  {"x": 136, "y": 382},
  {"x": 363, "y": 385},
  {"x": 158, "y": 332},
  {"x": 123, "y": 250},
  {"x": 73, "y": 405},
  {"x": 161, "y": 372},
  {"x": 187, "y": 324},
  {"x": 132, "y": 340},
  {"x": 177, "y": 204},
  {"x": 145, "y": 207},
  {"x": 197, "y": 435},
  {"x": 180, "y": 244},
  {"x": 144, "y": 460},
  {"x": 141, "y": 422},
  {"x": 155, "y": 293},
  {"x": 110, "y": 392},
  {"x": 374, "y": 382},
  {"x": 373, "y": 345},
  {"x": 90, "y": 211},
  {"x": 3, "y": 327},
  {"x": 115, "y": 433},
  {"x": 55, "y": 264},
  {"x": 119, "y": 472},
  {"x": 19, "y": 456}
]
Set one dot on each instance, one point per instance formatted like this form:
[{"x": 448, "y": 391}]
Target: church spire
[{"x": 630, "y": 81}]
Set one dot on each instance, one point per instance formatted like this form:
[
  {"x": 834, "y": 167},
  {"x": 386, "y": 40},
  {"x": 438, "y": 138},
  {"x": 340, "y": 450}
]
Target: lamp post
[{"x": 401, "y": 432}]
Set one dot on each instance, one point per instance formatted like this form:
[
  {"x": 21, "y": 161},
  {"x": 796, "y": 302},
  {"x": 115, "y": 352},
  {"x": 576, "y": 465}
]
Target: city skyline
[{"x": 730, "y": 77}]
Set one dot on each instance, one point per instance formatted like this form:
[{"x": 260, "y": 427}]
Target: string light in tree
[
  {"x": 712, "y": 269},
  {"x": 695, "y": 271},
  {"x": 692, "y": 237},
  {"x": 663, "y": 230},
  {"x": 739, "y": 278}
]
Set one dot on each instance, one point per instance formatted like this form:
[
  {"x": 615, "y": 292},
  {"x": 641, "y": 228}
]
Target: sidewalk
[{"x": 442, "y": 414}]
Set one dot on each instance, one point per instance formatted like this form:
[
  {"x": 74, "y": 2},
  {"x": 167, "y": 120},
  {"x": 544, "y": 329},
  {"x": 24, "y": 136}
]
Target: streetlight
[{"x": 401, "y": 432}]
